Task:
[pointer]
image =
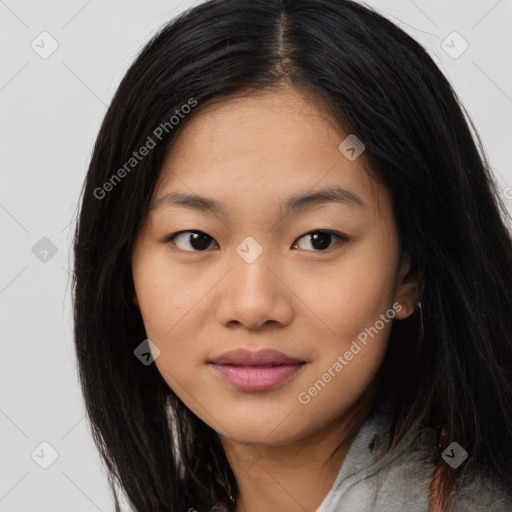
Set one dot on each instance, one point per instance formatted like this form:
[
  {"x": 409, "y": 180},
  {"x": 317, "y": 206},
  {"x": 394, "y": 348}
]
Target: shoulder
[
  {"x": 477, "y": 491},
  {"x": 409, "y": 470}
]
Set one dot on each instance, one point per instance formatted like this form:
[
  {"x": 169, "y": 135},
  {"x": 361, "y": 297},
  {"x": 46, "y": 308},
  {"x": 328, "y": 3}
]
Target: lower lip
[{"x": 257, "y": 378}]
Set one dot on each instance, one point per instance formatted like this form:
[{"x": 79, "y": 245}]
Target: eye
[
  {"x": 198, "y": 240},
  {"x": 320, "y": 239}
]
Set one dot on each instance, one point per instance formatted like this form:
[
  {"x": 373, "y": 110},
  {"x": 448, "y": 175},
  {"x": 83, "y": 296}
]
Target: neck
[{"x": 295, "y": 477}]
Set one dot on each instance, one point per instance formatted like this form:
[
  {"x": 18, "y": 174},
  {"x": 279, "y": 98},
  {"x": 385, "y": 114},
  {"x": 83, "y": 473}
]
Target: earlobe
[{"x": 403, "y": 311}]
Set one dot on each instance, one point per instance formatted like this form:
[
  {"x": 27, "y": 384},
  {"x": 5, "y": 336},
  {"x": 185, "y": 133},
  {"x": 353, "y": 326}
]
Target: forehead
[
  {"x": 260, "y": 148},
  {"x": 265, "y": 123}
]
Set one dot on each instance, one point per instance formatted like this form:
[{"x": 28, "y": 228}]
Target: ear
[{"x": 408, "y": 290}]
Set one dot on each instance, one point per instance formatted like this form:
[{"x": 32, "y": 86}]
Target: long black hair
[{"x": 378, "y": 83}]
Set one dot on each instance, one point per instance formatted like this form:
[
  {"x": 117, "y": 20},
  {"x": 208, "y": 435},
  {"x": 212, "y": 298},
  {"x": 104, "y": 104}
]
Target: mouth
[
  {"x": 256, "y": 371},
  {"x": 264, "y": 357}
]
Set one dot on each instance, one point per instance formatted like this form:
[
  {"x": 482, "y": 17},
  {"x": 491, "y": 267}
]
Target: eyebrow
[{"x": 292, "y": 205}]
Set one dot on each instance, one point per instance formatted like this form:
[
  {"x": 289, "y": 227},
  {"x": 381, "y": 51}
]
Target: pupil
[
  {"x": 199, "y": 241},
  {"x": 320, "y": 240}
]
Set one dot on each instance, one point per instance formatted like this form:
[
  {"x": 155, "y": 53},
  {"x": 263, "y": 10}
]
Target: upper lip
[{"x": 243, "y": 357}]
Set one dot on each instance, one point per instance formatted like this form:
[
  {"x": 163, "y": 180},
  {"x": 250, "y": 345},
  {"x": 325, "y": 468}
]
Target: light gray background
[{"x": 50, "y": 111}]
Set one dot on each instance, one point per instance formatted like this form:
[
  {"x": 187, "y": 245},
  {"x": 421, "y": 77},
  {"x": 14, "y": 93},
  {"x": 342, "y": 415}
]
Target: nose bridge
[
  {"x": 252, "y": 295},
  {"x": 252, "y": 280}
]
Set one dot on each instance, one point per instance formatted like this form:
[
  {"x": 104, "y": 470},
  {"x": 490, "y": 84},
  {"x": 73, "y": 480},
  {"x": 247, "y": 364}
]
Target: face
[{"x": 250, "y": 265}]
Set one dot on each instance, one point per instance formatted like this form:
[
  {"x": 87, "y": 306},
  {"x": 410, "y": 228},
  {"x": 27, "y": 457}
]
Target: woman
[{"x": 293, "y": 274}]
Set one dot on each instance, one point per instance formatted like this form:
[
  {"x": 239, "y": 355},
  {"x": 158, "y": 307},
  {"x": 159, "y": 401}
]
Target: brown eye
[
  {"x": 197, "y": 240},
  {"x": 321, "y": 240}
]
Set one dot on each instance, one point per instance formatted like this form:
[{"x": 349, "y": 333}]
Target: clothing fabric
[{"x": 371, "y": 480}]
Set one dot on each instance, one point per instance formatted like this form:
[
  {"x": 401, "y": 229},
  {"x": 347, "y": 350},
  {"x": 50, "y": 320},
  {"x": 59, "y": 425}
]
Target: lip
[
  {"x": 256, "y": 371},
  {"x": 262, "y": 357}
]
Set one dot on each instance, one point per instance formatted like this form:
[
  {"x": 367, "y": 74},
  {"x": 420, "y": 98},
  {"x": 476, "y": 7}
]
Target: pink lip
[{"x": 256, "y": 371}]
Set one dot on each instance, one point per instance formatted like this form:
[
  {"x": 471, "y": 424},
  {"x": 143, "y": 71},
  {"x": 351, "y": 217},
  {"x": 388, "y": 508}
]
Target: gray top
[
  {"x": 400, "y": 480},
  {"x": 373, "y": 480}
]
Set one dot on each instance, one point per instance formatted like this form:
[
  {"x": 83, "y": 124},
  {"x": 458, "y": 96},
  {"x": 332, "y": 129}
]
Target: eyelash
[{"x": 339, "y": 236}]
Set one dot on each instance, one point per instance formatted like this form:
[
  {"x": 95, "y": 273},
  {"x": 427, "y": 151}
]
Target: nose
[{"x": 254, "y": 294}]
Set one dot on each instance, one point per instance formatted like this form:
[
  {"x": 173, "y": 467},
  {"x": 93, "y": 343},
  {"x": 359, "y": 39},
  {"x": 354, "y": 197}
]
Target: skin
[{"x": 252, "y": 153}]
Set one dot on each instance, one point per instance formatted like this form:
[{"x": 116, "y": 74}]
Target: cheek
[
  {"x": 168, "y": 303},
  {"x": 173, "y": 305},
  {"x": 355, "y": 306},
  {"x": 353, "y": 295},
  {"x": 159, "y": 299},
  {"x": 351, "y": 353},
  {"x": 164, "y": 295}
]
